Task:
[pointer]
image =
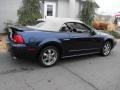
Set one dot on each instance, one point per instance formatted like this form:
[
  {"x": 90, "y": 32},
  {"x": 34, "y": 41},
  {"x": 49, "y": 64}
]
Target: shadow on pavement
[{"x": 78, "y": 58}]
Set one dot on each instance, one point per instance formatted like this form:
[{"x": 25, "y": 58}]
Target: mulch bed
[{"x": 2, "y": 43}]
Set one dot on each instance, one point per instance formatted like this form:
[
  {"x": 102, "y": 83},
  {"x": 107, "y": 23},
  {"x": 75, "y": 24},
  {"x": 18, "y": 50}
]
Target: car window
[
  {"x": 64, "y": 28},
  {"x": 71, "y": 27},
  {"x": 81, "y": 28},
  {"x": 75, "y": 27}
]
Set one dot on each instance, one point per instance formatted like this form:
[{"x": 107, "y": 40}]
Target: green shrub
[
  {"x": 29, "y": 12},
  {"x": 88, "y": 12}
]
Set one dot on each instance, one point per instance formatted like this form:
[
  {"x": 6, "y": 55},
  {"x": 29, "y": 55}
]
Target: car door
[
  {"x": 64, "y": 32},
  {"x": 81, "y": 39}
]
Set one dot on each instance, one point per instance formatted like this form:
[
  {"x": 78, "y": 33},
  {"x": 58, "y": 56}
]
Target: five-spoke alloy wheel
[
  {"x": 49, "y": 56},
  {"x": 106, "y": 50}
]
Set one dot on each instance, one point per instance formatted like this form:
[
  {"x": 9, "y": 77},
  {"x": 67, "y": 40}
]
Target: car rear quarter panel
[{"x": 39, "y": 39}]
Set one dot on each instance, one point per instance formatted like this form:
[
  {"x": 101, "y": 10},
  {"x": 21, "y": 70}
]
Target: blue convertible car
[{"x": 55, "y": 38}]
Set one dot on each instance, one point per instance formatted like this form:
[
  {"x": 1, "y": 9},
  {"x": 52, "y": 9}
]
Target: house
[
  {"x": 62, "y": 8},
  {"x": 108, "y": 18},
  {"x": 49, "y": 8}
]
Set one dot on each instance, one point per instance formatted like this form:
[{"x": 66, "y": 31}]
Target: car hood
[{"x": 103, "y": 33}]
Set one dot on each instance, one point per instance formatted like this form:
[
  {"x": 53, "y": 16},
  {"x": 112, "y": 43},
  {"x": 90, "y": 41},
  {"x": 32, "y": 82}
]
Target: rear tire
[
  {"x": 106, "y": 50},
  {"x": 49, "y": 56}
]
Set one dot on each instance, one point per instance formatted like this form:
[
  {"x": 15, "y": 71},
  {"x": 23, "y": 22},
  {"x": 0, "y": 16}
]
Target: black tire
[
  {"x": 46, "y": 59},
  {"x": 106, "y": 49}
]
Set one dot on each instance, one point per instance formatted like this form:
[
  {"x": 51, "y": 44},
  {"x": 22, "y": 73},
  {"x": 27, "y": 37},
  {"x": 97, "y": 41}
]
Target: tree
[
  {"x": 29, "y": 12},
  {"x": 88, "y": 12}
]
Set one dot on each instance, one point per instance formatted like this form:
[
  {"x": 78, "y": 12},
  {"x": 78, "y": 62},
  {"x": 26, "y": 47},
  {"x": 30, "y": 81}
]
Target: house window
[{"x": 49, "y": 10}]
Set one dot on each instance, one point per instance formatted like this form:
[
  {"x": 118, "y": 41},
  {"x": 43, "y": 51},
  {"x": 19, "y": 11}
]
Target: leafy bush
[
  {"x": 88, "y": 12},
  {"x": 95, "y": 25},
  {"x": 100, "y": 25},
  {"x": 103, "y": 25},
  {"x": 29, "y": 12}
]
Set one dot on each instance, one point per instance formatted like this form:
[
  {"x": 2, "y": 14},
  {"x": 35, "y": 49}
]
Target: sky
[{"x": 108, "y": 7}]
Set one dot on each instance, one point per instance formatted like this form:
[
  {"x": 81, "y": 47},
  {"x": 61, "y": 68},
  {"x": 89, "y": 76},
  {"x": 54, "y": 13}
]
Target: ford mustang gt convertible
[{"x": 52, "y": 39}]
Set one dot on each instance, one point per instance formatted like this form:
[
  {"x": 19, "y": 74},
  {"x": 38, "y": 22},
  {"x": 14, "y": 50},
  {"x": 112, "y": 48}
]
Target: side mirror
[{"x": 92, "y": 32}]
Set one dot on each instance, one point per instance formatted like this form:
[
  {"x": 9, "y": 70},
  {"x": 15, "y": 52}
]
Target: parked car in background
[
  {"x": 52, "y": 39},
  {"x": 118, "y": 23},
  {"x": 117, "y": 19}
]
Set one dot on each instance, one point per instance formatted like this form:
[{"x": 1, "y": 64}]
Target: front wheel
[
  {"x": 49, "y": 56},
  {"x": 106, "y": 50}
]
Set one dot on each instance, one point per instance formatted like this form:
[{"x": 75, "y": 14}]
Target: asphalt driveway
[{"x": 81, "y": 73}]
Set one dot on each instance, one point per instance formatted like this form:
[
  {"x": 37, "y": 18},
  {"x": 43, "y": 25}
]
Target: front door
[
  {"x": 49, "y": 9},
  {"x": 81, "y": 41}
]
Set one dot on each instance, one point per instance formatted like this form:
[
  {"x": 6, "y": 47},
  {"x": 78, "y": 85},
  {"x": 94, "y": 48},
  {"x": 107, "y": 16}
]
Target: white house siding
[
  {"x": 8, "y": 11},
  {"x": 77, "y": 9},
  {"x": 63, "y": 8},
  {"x": 69, "y": 8},
  {"x": 72, "y": 9}
]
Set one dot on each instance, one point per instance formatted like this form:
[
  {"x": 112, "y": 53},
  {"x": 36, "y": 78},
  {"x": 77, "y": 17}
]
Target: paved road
[{"x": 83, "y": 73}]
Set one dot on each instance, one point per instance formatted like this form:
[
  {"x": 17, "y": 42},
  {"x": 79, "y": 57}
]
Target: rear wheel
[
  {"x": 106, "y": 50},
  {"x": 49, "y": 56}
]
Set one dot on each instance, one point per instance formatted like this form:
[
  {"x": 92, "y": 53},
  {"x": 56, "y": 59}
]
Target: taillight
[{"x": 18, "y": 39}]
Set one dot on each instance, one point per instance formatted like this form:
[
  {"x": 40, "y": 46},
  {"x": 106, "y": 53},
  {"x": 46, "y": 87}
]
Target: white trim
[{"x": 45, "y": 9}]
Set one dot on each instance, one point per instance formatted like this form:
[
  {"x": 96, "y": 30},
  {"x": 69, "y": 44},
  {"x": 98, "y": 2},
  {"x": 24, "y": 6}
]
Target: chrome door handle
[
  {"x": 75, "y": 37},
  {"x": 66, "y": 39}
]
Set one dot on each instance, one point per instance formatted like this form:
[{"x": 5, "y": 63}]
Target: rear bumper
[{"x": 22, "y": 51}]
